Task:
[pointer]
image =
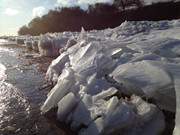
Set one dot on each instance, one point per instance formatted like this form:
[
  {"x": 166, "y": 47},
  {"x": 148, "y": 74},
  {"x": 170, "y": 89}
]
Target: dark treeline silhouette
[
  {"x": 100, "y": 16},
  {"x": 123, "y": 4}
]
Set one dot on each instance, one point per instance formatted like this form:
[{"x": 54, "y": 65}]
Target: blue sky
[{"x": 16, "y": 13}]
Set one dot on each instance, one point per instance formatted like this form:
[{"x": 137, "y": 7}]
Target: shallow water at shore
[{"x": 20, "y": 97}]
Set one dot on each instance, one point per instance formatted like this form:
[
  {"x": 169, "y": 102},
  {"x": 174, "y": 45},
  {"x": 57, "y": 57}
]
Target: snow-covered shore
[{"x": 104, "y": 79}]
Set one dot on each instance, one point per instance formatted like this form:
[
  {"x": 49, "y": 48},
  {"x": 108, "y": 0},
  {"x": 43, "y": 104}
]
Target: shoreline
[{"x": 35, "y": 123}]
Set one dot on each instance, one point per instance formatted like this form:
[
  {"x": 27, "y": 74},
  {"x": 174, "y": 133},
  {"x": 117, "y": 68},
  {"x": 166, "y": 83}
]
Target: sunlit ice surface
[
  {"x": 12, "y": 104},
  {"x": 2, "y": 72},
  {"x": 6, "y": 42},
  {"x": 2, "y": 41},
  {"x": 2, "y": 49}
]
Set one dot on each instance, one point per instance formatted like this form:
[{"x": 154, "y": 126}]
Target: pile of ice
[
  {"x": 51, "y": 45},
  {"x": 20, "y": 40},
  {"x": 31, "y": 43},
  {"x": 35, "y": 45},
  {"x": 28, "y": 44},
  {"x": 128, "y": 29},
  {"x": 104, "y": 79},
  {"x": 150, "y": 2}
]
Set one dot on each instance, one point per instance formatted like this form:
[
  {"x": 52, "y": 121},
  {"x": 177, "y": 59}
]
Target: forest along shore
[{"x": 22, "y": 92}]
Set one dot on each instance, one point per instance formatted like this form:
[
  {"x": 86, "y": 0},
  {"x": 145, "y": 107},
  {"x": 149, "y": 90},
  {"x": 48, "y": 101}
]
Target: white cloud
[
  {"x": 38, "y": 11},
  {"x": 11, "y": 12},
  {"x": 67, "y": 3},
  {"x": 82, "y": 3}
]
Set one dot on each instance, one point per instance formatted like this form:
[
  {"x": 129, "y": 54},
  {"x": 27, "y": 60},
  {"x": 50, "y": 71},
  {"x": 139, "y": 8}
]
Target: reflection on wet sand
[{"x": 20, "y": 98}]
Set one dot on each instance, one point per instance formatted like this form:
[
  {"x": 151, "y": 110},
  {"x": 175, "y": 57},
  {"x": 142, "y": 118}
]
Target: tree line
[{"x": 99, "y": 16}]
